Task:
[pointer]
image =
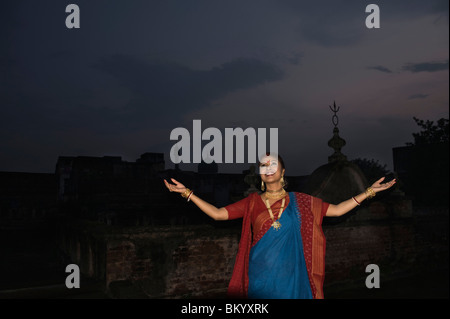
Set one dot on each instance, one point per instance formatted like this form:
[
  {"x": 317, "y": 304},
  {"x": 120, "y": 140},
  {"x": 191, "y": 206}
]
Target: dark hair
[{"x": 280, "y": 160}]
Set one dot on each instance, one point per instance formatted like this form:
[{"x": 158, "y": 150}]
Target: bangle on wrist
[
  {"x": 187, "y": 194},
  {"x": 358, "y": 203},
  {"x": 370, "y": 193}
]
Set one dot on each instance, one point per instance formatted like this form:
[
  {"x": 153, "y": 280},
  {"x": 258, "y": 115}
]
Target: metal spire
[{"x": 336, "y": 142}]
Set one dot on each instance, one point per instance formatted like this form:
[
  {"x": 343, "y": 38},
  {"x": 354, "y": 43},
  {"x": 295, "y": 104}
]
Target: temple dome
[{"x": 336, "y": 181}]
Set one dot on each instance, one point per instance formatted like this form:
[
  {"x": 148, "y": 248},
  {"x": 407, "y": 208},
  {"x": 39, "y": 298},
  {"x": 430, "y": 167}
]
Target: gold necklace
[
  {"x": 275, "y": 223},
  {"x": 277, "y": 195}
]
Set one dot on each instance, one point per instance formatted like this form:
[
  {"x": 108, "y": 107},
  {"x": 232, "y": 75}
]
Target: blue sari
[{"x": 277, "y": 268}]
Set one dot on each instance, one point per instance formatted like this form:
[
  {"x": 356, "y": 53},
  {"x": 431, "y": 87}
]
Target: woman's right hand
[
  {"x": 210, "y": 210},
  {"x": 175, "y": 187}
]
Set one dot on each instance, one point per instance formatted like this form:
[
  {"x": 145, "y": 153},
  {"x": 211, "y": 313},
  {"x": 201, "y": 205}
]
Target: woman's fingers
[
  {"x": 176, "y": 187},
  {"x": 177, "y": 184},
  {"x": 388, "y": 184},
  {"x": 391, "y": 183},
  {"x": 377, "y": 186},
  {"x": 378, "y": 182},
  {"x": 169, "y": 187}
]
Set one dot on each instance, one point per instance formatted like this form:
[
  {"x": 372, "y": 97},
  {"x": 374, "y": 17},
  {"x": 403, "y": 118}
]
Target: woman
[{"x": 282, "y": 247}]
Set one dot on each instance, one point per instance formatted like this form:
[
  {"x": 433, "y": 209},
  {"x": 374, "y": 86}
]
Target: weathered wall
[
  {"x": 173, "y": 262},
  {"x": 197, "y": 261},
  {"x": 155, "y": 262},
  {"x": 351, "y": 248}
]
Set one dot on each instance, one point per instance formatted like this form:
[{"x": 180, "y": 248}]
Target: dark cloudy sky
[{"x": 135, "y": 70}]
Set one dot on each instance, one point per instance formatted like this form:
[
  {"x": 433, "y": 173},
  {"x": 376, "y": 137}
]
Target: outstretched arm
[
  {"x": 210, "y": 210},
  {"x": 346, "y": 206}
]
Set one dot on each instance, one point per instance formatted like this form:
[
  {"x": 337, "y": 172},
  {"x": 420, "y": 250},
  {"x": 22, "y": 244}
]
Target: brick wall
[
  {"x": 351, "y": 248},
  {"x": 197, "y": 261},
  {"x": 173, "y": 262}
]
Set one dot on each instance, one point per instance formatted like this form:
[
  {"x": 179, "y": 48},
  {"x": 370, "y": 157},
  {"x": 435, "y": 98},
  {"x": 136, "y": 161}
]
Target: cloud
[
  {"x": 379, "y": 68},
  {"x": 127, "y": 95},
  {"x": 426, "y": 67},
  {"x": 295, "y": 58},
  {"x": 341, "y": 23},
  {"x": 171, "y": 89},
  {"x": 415, "y": 67},
  {"x": 418, "y": 96}
]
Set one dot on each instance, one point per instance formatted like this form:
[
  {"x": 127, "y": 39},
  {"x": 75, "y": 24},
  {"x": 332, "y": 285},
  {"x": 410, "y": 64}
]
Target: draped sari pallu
[{"x": 285, "y": 263}]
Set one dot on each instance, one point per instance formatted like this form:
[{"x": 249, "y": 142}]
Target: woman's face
[{"x": 270, "y": 170}]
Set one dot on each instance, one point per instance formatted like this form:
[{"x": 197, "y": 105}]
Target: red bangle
[
  {"x": 189, "y": 196},
  {"x": 356, "y": 201}
]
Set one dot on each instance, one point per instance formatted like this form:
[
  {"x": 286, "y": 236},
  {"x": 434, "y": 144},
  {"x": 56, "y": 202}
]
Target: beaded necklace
[{"x": 275, "y": 223}]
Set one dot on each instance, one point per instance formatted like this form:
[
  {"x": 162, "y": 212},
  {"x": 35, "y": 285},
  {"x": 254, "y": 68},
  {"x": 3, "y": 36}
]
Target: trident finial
[
  {"x": 335, "y": 109},
  {"x": 336, "y": 142}
]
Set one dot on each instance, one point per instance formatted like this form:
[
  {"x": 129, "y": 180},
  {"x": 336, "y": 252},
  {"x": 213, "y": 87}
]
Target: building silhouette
[{"x": 132, "y": 238}]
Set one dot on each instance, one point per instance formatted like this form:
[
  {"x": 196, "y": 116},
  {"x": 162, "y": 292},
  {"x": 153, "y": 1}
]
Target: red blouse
[{"x": 260, "y": 218}]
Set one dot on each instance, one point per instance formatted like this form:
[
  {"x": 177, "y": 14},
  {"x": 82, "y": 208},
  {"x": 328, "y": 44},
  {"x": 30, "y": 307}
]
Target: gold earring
[
  {"x": 262, "y": 186},
  {"x": 283, "y": 183}
]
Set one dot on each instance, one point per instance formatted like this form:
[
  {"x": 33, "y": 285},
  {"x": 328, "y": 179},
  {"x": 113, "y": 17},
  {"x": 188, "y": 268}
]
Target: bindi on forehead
[
  {"x": 268, "y": 165},
  {"x": 268, "y": 160}
]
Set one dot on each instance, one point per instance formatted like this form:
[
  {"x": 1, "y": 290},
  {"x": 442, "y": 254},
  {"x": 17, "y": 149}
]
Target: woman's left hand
[{"x": 378, "y": 186}]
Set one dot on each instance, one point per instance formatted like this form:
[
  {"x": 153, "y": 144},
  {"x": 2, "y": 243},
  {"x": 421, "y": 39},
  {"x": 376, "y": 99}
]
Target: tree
[{"x": 431, "y": 133}]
